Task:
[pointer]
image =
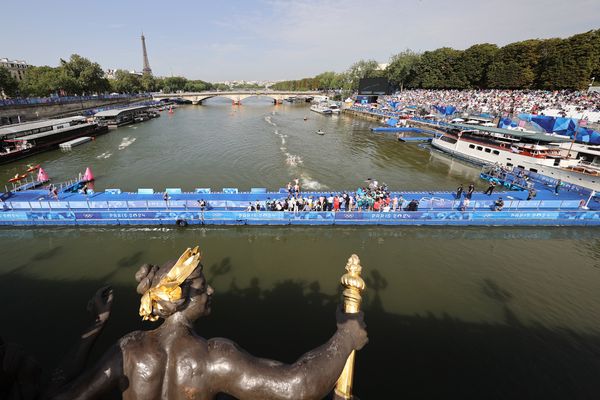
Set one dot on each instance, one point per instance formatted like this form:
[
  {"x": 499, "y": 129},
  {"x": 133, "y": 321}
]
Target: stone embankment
[{"x": 31, "y": 112}]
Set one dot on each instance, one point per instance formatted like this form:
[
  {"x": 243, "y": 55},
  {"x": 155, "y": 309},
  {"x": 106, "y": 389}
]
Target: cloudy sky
[{"x": 272, "y": 39}]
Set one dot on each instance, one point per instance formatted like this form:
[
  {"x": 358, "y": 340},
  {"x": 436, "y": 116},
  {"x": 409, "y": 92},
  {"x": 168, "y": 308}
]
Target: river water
[{"x": 470, "y": 312}]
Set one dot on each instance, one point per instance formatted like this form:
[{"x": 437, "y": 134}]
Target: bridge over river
[{"x": 235, "y": 96}]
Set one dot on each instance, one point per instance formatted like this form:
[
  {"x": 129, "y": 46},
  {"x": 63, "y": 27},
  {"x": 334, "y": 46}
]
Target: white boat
[
  {"x": 321, "y": 109},
  {"x": 320, "y": 132},
  {"x": 535, "y": 152},
  {"x": 335, "y": 109}
]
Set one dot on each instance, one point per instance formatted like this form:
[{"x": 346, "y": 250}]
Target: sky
[{"x": 219, "y": 40}]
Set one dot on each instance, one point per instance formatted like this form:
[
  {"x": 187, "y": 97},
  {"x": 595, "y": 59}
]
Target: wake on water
[
  {"x": 294, "y": 161},
  {"x": 126, "y": 142}
]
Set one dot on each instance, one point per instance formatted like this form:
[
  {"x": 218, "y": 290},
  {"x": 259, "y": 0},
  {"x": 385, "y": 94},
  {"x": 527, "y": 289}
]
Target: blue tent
[
  {"x": 544, "y": 122},
  {"x": 393, "y": 104},
  {"x": 445, "y": 110},
  {"x": 505, "y": 123},
  {"x": 391, "y": 122}
]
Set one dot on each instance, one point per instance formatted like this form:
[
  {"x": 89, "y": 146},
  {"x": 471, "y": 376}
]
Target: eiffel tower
[{"x": 147, "y": 70}]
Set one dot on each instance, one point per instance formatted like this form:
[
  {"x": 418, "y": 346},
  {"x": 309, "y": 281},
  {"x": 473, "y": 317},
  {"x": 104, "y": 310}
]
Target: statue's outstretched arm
[
  {"x": 233, "y": 371},
  {"x": 95, "y": 381},
  {"x": 74, "y": 361}
]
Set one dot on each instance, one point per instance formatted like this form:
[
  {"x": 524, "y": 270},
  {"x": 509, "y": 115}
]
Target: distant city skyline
[{"x": 274, "y": 40}]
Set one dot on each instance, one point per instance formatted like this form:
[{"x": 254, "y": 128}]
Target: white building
[{"x": 17, "y": 68}]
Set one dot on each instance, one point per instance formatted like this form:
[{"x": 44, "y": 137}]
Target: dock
[
  {"x": 228, "y": 207},
  {"x": 418, "y": 139},
  {"x": 401, "y": 133},
  {"x": 75, "y": 142}
]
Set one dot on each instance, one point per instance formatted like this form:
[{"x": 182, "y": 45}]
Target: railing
[{"x": 425, "y": 204}]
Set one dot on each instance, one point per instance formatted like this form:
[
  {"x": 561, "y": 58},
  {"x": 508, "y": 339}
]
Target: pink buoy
[
  {"x": 42, "y": 175},
  {"x": 88, "y": 176}
]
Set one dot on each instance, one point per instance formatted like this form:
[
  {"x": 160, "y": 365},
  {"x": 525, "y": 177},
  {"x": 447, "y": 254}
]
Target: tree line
[
  {"x": 531, "y": 64},
  {"x": 80, "y": 76}
]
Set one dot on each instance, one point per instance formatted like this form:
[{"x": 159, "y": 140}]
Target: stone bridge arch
[{"x": 235, "y": 97}]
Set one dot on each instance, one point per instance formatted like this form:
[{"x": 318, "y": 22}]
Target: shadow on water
[
  {"x": 46, "y": 255},
  {"x": 495, "y": 292},
  {"x": 130, "y": 261},
  {"x": 218, "y": 269},
  {"x": 408, "y": 356}
]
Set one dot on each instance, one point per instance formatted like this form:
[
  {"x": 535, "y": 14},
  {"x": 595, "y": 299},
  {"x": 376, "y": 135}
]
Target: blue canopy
[
  {"x": 559, "y": 125},
  {"x": 445, "y": 110}
]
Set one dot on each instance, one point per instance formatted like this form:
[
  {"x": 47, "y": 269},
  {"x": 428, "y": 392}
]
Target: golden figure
[
  {"x": 168, "y": 289},
  {"x": 353, "y": 285}
]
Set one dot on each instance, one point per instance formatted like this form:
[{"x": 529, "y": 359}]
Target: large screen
[{"x": 374, "y": 86}]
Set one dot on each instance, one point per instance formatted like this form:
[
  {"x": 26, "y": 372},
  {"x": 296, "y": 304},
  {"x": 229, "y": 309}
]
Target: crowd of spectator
[
  {"x": 371, "y": 197},
  {"x": 503, "y": 102}
]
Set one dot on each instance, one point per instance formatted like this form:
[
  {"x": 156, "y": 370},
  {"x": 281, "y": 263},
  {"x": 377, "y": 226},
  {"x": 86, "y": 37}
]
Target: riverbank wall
[
  {"x": 12, "y": 114},
  {"x": 368, "y": 116},
  {"x": 381, "y": 116}
]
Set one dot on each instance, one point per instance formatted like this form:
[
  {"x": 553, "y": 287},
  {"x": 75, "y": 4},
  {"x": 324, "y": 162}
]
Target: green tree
[
  {"x": 362, "y": 69},
  {"x": 81, "y": 76},
  {"x": 148, "y": 83},
  {"x": 596, "y": 65},
  {"x": 475, "y": 63},
  {"x": 41, "y": 81},
  {"x": 174, "y": 83},
  {"x": 439, "y": 69},
  {"x": 197, "y": 86},
  {"x": 327, "y": 80},
  {"x": 568, "y": 63},
  {"x": 126, "y": 82},
  {"x": 401, "y": 67},
  {"x": 515, "y": 66},
  {"x": 8, "y": 84}
]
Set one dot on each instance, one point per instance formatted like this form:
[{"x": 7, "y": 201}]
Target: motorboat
[
  {"x": 321, "y": 109},
  {"x": 335, "y": 109},
  {"x": 320, "y": 132}
]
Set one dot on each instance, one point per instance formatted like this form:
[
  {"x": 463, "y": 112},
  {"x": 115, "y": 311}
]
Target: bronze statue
[
  {"x": 173, "y": 362},
  {"x": 21, "y": 376}
]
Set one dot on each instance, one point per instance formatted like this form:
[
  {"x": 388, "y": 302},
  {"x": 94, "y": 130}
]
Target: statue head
[{"x": 177, "y": 287}]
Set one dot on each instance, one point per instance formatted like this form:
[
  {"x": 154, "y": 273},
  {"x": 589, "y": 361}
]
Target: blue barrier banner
[
  {"x": 313, "y": 215},
  {"x": 50, "y": 216},
  {"x": 250, "y": 215},
  {"x": 13, "y": 216},
  {"x": 318, "y": 218}
]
